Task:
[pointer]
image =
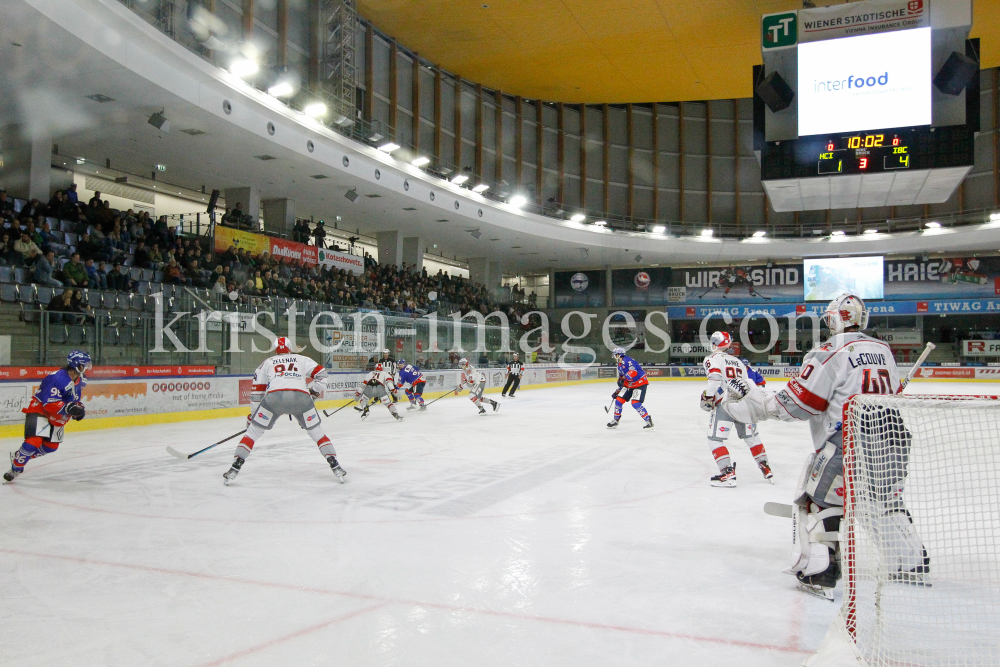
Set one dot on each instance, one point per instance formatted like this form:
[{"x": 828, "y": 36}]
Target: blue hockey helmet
[{"x": 79, "y": 361}]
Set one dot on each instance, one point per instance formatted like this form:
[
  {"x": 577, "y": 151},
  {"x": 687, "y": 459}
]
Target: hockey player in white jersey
[
  {"x": 848, "y": 363},
  {"x": 720, "y": 366},
  {"x": 378, "y": 386},
  {"x": 475, "y": 381},
  {"x": 285, "y": 384}
]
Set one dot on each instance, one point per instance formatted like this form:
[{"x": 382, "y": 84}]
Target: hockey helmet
[
  {"x": 281, "y": 346},
  {"x": 618, "y": 352},
  {"x": 847, "y": 310},
  {"x": 463, "y": 362},
  {"x": 401, "y": 363},
  {"x": 516, "y": 356},
  {"x": 385, "y": 352},
  {"x": 79, "y": 361},
  {"x": 721, "y": 340}
]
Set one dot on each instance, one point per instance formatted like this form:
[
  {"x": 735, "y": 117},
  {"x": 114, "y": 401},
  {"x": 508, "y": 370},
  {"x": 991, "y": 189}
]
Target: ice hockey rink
[{"x": 530, "y": 536}]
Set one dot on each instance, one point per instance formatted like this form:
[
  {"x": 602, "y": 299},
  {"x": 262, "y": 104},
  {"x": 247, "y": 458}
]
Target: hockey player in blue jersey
[
  {"x": 632, "y": 379},
  {"x": 412, "y": 381},
  {"x": 53, "y": 405}
]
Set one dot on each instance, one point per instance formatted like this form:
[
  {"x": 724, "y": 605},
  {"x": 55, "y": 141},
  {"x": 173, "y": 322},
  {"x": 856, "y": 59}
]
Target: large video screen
[
  {"x": 828, "y": 278},
  {"x": 865, "y": 83}
]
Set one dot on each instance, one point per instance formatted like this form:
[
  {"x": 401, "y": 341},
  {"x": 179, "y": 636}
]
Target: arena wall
[{"x": 128, "y": 401}]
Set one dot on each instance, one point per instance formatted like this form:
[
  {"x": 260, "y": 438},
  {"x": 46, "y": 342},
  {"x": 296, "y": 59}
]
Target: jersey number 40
[{"x": 876, "y": 384}]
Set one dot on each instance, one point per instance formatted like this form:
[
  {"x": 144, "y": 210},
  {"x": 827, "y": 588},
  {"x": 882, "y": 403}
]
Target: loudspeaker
[
  {"x": 213, "y": 201},
  {"x": 159, "y": 121},
  {"x": 775, "y": 92},
  {"x": 956, "y": 74}
]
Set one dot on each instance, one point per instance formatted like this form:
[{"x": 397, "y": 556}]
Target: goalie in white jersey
[
  {"x": 721, "y": 366},
  {"x": 285, "y": 384},
  {"x": 476, "y": 382},
  {"x": 849, "y": 363}
]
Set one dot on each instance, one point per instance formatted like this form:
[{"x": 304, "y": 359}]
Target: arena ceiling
[{"x": 604, "y": 51}]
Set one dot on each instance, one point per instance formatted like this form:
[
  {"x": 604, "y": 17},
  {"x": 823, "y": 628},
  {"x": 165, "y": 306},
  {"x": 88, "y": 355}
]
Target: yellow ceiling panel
[{"x": 602, "y": 51}]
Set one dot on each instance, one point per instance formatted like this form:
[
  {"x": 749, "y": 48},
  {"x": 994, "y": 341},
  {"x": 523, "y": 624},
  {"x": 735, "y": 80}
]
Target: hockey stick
[
  {"x": 330, "y": 414},
  {"x": 913, "y": 371},
  {"x": 177, "y": 454},
  {"x": 607, "y": 408},
  {"x": 440, "y": 397}
]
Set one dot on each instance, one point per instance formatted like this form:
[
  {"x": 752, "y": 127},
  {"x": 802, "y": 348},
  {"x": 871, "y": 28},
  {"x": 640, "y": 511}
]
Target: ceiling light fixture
[
  {"x": 869, "y": 232},
  {"x": 578, "y": 217},
  {"x": 280, "y": 89},
  {"x": 994, "y": 217},
  {"x": 659, "y": 229},
  {"x": 517, "y": 201},
  {"x": 459, "y": 179},
  {"x": 932, "y": 225},
  {"x": 421, "y": 161},
  {"x": 389, "y": 147},
  {"x": 759, "y": 234},
  {"x": 315, "y": 110},
  {"x": 601, "y": 223},
  {"x": 706, "y": 232},
  {"x": 244, "y": 67},
  {"x": 837, "y": 233},
  {"x": 481, "y": 188}
]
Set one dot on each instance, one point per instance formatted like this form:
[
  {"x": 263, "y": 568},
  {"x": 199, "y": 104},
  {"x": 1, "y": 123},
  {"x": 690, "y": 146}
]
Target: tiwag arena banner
[{"x": 257, "y": 244}]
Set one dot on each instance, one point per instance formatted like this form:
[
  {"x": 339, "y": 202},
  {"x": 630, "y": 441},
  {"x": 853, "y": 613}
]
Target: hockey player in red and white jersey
[
  {"x": 285, "y": 384},
  {"x": 476, "y": 383},
  {"x": 721, "y": 366},
  {"x": 380, "y": 385},
  {"x": 849, "y": 363}
]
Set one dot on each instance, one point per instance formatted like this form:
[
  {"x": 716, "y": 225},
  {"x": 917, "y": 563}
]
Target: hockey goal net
[{"x": 920, "y": 538}]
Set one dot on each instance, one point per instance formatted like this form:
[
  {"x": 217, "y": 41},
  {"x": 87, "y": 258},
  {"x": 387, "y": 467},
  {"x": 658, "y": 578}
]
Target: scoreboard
[
  {"x": 894, "y": 149},
  {"x": 871, "y": 103}
]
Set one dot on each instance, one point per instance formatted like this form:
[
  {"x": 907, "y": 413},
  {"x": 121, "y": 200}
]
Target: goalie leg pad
[
  {"x": 815, "y": 541},
  {"x": 824, "y": 483},
  {"x": 901, "y": 542}
]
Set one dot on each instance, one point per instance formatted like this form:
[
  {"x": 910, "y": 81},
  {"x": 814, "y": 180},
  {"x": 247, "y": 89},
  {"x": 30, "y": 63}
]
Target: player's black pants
[{"x": 513, "y": 382}]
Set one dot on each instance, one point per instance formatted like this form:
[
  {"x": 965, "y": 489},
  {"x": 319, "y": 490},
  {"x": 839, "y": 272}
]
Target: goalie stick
[
  {"x": 913, "y": 371},
  {"x": 173, "y": 452}
]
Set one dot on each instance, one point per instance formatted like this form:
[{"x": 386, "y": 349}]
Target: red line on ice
[{"x": 417, "y": 603}]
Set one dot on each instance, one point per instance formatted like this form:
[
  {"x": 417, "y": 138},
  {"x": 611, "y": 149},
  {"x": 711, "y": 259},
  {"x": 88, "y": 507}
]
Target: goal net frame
[{"x": 863, "y": 632}]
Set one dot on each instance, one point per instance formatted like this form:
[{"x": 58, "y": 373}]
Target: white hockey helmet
[
  {"x": 721, "y": 340},
  {"x": 847, "y": 310},
  {"x": 463, "y": 362},
  {"x": 618, "y": 352},
  {"x": 385, "y": 352}
]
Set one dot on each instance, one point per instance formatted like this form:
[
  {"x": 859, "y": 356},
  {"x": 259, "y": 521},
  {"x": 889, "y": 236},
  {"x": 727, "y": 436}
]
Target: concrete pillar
[
  {"x": 390, "y": 248},
  {"x": 27, "y": 163},
  {"x": 249, "y": 196},
  {"x": 413, "y": 253},
  {"x": 279, "y": 215},
  {"x": 495, "y": 278},
  {"x": 608, "y": 292},
  {"x": 479, "y": 270}
]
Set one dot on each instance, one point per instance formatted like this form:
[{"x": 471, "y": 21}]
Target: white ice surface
[{"x": 532, "y": 536}]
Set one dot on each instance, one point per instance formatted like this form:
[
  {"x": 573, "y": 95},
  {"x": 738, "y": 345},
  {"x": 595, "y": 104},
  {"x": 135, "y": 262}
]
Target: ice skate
[
  {"x": 613, "y": 423},
  {"x": 411, "y": 406},
  {"x": 398, "y": 416},
  {"x": 482, "y": 410},
  {"x": 918, "y": 576},
  {"x": 817, "y": 591},
  {"x": 726, "y": 478},
  {"x": 496, "y": 406},
  {"x": 423, "y": 407},
  {"x": 649, "y": 423},
  {"x": 364, "y": 414},
  {"x": 231, "y": 474},
  {"x": 12, "y": 473},
  {"x": 337, "y": 470},
  {"x": 766, "y": 471}
]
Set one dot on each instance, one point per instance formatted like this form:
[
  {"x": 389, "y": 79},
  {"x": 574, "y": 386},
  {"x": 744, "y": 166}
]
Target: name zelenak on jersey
[{"x": 867, "y": 359}]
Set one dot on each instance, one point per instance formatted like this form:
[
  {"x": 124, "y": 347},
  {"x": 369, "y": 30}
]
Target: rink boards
[{"x": 120, "y": 402}]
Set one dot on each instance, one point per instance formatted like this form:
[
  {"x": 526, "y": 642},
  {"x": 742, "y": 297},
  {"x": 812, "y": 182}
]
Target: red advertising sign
[
  {"x": 921, "y": 306},
  {"x": 961, "y": 373},
  {"x": 245, "y": 386},
  {"x": 800, "y": 309}
]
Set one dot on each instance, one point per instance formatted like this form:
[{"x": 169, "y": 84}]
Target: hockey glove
[
  {"x": 314, "y": 392},
  {"x": 76, "y": 411},
  {"x": 707, "y": 402}
]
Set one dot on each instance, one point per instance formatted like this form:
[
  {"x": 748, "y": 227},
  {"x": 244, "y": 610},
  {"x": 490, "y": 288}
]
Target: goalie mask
[
  {"x": 721, "y": 340},
  {"x": 847, "y": 310}
]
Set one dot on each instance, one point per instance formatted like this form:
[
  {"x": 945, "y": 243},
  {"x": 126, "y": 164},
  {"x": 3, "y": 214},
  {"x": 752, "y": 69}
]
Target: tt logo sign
[{"x": 779, "y": 30}]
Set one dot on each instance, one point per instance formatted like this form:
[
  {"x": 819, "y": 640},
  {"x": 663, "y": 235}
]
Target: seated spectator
[
  {"x": 141, "y": 256},
  {"x": 89, "y": 249},
  {"x": 155, "y": 258},
  {"x": 192, "y": 275},
  {"x": 119, "y": 278},
  {"x": 75, "y": 273},
  {"x": 72, "y": 196},
  {"x": 6, "y": 207},
  {"x": 219, "y": 286},
  {"x": 97, "y": 279},
  {"x": 172, "y": 274},
  {"x": 44, "y": 270},
  {"x": 64, "y": 310},
  {"x": 48, "y": 238},
  {"x": 25, "y": 250},
  {"x": 7, "y": 253}
]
